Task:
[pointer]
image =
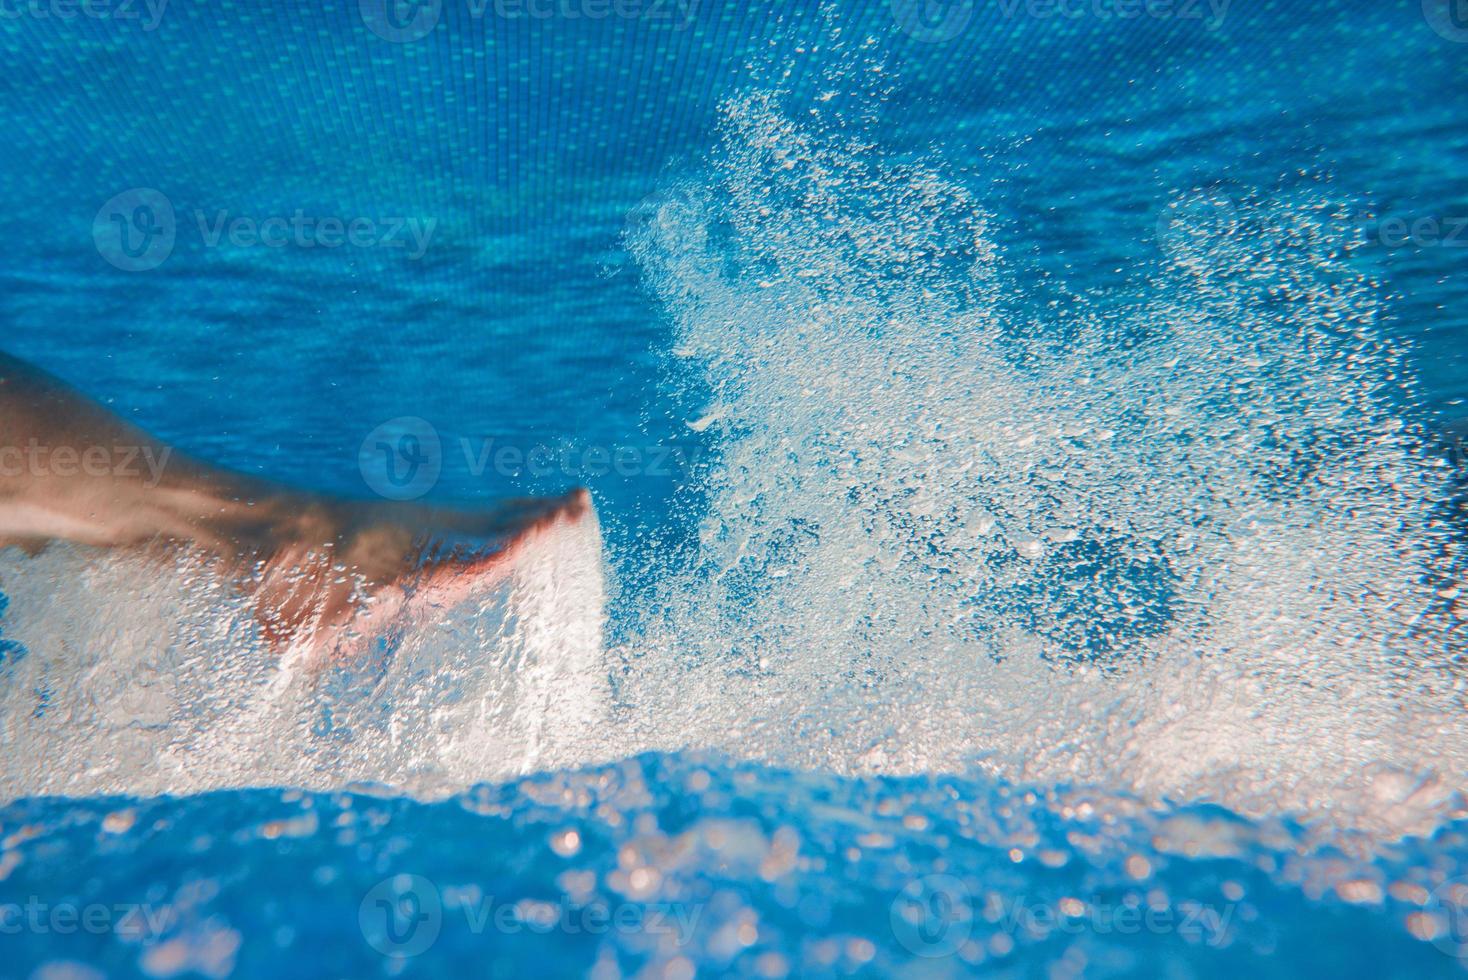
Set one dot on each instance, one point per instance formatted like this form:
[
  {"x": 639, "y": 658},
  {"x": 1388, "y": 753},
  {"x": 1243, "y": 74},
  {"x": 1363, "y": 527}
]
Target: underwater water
[{"x": 1025, "y": 446}]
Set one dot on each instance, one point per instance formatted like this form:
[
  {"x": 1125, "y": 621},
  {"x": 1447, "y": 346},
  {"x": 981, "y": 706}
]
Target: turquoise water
[{"x": 1027, "y": 542}]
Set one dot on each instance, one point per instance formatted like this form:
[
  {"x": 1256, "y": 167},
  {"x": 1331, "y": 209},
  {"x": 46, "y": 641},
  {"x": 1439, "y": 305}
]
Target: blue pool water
[{"x": 1021, "y": 444}]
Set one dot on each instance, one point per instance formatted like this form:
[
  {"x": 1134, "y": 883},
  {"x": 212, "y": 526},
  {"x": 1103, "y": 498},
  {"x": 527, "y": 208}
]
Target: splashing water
[
  {"x": 132, "y": 683},
  {"x": 1185, "y": 548},
  {"x": 1189, "y": 549}
]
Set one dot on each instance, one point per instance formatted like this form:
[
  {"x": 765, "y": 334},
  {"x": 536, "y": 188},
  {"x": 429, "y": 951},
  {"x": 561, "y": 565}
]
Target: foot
[{"x": 376, "y": 567}]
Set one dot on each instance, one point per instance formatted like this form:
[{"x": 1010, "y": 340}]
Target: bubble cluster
[{"x": 1184, "y": 542}]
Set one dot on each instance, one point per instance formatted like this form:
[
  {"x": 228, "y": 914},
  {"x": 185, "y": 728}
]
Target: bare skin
[{"x": 315, "y": 567}]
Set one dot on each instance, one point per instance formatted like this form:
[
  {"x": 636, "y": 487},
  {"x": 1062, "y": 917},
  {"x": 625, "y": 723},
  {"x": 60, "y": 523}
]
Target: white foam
[
  {"x": 144, "y": 680},
  {"x": 1187, "y": 551}
]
